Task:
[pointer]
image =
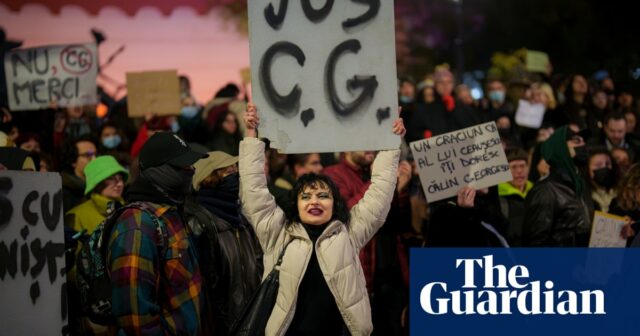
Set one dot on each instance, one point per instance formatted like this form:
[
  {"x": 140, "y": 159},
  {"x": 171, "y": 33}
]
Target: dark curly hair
[{"x": 340, "y": 211}]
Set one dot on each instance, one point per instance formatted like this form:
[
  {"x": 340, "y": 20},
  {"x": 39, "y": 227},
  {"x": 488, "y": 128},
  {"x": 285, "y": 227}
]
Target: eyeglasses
[
  {"x": 88, "y": 154},
  {"x": 115, "y": 179}
]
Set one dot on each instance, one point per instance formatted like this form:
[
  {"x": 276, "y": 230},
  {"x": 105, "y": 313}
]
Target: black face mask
[
  {"x": 604, "y": 177},
  {"x": 582, "y": 156},
  {"x": 230, "y": 184},
  {"x": 175, "y": 182}
]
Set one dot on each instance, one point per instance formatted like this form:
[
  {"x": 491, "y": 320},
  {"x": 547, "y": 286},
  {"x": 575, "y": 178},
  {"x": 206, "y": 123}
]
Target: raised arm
[
  {"x": 368, "y": 215},
  {"x": 258, "y": 205}
]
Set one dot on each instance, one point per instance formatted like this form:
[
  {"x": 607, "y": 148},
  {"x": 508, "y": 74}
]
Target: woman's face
[
  {"x": 114, "y": 188},
  {"x": 230, "y": 124},
  {"x": 598, "y": 161},
  {"x": 108, "y": 131},
  {"x": 630, "y": 117},
  {"x": 428, "y": 95},
  {"x": 315, "y": 205},
  {"x": 31, "y": 146},
  {"x": 580, "y": 85}
]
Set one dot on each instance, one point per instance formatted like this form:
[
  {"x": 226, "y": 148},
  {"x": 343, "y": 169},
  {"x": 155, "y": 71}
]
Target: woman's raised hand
[
  {"x": 398, "y": 125},
  {"x": 251, "y": 120}
]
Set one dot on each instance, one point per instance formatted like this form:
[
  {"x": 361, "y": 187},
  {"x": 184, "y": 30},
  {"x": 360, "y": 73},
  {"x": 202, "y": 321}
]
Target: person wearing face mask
[
  {"x": 497, "y": 105},
  {"x": 113, "y": 142},
  {"x": 559, "y": 209},
  {"x": 192, "y": 127},
  {"x": 602, "y": 178},
  {"x": 156, "y": 284},
  {"x": 228, "y": 249}
]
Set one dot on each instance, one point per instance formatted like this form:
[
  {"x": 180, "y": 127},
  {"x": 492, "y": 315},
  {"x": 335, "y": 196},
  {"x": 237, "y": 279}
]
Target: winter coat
[
  {"x": 230, "y": 262},
  {"x": 89, "y": 214},
  {"x": 512, "y": 205},
  {"x": 336, "y": 249},
  {"x": 555, "y": 216}
]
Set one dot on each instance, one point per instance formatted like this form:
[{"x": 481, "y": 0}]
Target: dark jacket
[
  {"x": 512, "y": 205},
  {"x": 434, "y": 119},
  {"x": 72, "y": 190},
  {"x": 454, "y": 226},
  {"x": 555, "y": 216},
  {"x": 231, "y": 264}
]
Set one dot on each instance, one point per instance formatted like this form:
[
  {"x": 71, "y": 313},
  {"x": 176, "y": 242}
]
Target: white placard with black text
[{"x": 324, "y": 74}]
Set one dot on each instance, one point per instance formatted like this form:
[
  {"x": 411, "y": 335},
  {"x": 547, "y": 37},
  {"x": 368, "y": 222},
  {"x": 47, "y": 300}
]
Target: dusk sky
[{"x": 204, "y": 48}]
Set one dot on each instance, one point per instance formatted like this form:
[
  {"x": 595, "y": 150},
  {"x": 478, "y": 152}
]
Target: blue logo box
[{"x": 524, "y": 291}]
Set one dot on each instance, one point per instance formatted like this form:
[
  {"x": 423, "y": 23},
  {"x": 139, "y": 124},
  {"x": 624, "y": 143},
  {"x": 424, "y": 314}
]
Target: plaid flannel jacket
[{"x": 156, "y": 286}]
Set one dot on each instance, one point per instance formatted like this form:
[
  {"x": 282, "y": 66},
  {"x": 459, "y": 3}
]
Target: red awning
[{"x": 130, "y": 7}]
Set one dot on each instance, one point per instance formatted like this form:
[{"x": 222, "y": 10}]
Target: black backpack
[{"x": 92, "y": 276}]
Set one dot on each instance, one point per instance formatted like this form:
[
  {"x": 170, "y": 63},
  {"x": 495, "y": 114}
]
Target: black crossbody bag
[{"x": 253, "y": 320}]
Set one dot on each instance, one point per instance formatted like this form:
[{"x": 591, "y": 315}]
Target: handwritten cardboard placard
[
  {"x": 155, "y": 92},
  {"x": 64, "y": 75},
  {"x": 472, "y": 156},
  {"x": 324, "y": 77},
  {"x": 529, "y": 115},
  {"x": 32, "y": 263},
  {"x": 605, "y": 231}
]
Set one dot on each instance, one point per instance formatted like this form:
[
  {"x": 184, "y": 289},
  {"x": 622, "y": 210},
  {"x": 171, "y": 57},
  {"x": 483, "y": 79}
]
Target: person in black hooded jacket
[
  {"x": 559, "y": 208},
  {"x": 228, "y": 249}
]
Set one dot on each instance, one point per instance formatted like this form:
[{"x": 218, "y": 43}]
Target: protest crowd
[{"x": 228, "y": 204}]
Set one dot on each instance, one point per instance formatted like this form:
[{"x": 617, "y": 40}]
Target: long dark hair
[{"x": 340, "y": 211}]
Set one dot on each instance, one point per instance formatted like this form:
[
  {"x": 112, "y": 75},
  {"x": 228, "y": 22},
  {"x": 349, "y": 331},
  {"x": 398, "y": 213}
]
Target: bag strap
[
  {"x": 154, "y": 213},
  {"x": 279, "y": 262}
]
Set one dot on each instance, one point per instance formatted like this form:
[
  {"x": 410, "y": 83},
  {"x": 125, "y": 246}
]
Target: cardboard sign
[
  {"x": 537, "y": 61},
  {"x": 529, "y": 115},
  {"x": 605, "y": 231},
  {"x": 324, "y": 77},
  {"x": 64, "y": 75},
  {"x": 155, "y": 92},
  {"x": 468, "y": 157},
  {"x": 32, "y": 263}
]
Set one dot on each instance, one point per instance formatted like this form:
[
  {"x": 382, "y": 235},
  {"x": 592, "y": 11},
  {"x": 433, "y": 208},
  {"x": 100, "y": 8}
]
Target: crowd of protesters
[{"x": 583, "y": 158}]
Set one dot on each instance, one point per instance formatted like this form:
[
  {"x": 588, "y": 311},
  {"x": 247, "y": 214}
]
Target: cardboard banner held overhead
[
  {"x": 468, "y": 157},
  {"x": 155, "y": 92},
  {"x": 605, "y": 231},
  {"x": 324, "y": 77},
  {"x": 32, "y": 264},
  {"x": 61, "y": 75}
]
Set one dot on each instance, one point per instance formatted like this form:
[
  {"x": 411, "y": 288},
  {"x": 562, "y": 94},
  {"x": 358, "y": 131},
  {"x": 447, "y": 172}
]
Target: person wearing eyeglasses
[
  {"x": 76, "y": 154},
  {"x": 105, "y": 180}
]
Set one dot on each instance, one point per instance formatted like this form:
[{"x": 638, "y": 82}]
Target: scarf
[{"x": 223, "y": 200}]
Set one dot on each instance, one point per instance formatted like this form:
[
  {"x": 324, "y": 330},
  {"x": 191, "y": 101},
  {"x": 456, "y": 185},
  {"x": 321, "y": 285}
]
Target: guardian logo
[
  {"x": 490, "y": 289},
  {"x": 524, "y": 291}
]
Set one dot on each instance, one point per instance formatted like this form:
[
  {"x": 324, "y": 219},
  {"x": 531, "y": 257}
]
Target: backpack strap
[{"x": 154, "y": 213}]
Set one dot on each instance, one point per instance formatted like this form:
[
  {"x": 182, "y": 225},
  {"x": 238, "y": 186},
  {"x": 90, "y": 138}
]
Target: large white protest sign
[
  {"x": 324, "y": 74},
  {"x": 64, "y": 75},
  {"x": 468, "y": 157},
  {"x": 529, "y": 115},
  {"x": 605, "y": 231},
  {"x": 32, "y": 264}
]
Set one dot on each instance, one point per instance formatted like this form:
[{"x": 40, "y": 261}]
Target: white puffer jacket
[{"x": 337, "y": 248}]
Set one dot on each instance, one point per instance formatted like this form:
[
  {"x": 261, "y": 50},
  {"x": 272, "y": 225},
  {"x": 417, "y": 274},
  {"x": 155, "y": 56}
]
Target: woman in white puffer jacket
[{"x": 322, "y": 287}]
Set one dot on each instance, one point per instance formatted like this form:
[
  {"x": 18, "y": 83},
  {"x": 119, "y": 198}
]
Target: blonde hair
[{"x": 548, "y": 91}]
